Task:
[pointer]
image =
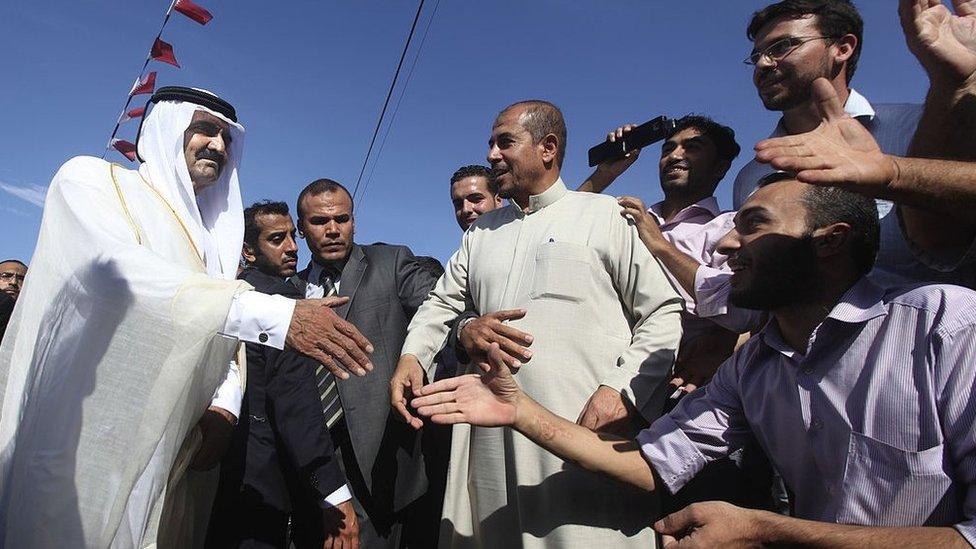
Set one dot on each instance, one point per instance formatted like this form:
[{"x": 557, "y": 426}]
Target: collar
[
  {"x": 860, "y": 303},
  {"x": 708, "y": 204},
  {"x": 548, "y": 197},
  {"x": 857, "y": 106},
  {"x": 315, "y": 271}
]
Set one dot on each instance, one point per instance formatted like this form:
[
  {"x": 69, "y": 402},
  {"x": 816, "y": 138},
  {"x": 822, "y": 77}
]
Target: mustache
[{"x": 209, "y": 154}]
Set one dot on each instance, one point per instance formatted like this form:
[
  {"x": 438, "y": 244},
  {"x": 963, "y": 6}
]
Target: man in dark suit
[
  {"x": 281, "y": 459},
  {"x": 381, "y": 456}
]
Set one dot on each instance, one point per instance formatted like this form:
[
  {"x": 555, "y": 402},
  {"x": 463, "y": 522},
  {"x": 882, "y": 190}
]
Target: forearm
[
  {"x": 947, "y": 128},
  {"x": 927, "y": 191},
  {"x": 681, "y": 266},
  {"x": 793, "y": 532},
  {"x": 601, "y": 453},
  {"x": 598, "y": 181}
]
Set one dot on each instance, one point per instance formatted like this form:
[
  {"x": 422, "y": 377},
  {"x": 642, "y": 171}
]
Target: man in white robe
[
  {"x": 119, "y": 342},
  {"x": 567, "y": 268}
]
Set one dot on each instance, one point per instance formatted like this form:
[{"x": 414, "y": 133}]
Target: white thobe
[
  {"x": 111, "y": 357},
  {"x": 602, "y": 313}
]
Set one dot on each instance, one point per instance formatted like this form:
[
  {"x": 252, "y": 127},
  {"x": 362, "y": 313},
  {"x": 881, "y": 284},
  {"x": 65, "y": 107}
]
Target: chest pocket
[
  {"x": 562, "y": 271},
  {"x": 887, "y": 486}
]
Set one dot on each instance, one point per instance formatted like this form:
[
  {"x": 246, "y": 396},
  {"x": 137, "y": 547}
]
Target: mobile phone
[{"x": 637, "y": 138}]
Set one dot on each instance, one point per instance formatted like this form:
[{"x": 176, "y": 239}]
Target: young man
[
  {"x": 473, "y": 192},
  {"x": 860, "y": 395}
]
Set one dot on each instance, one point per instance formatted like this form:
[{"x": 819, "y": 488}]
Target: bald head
[{"x": 541, "y": 118}]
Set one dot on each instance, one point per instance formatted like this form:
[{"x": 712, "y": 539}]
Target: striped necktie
[{"x": 324, "y": 379}]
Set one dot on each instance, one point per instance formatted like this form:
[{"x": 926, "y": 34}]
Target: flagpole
[{"x": 128, "y": 100}]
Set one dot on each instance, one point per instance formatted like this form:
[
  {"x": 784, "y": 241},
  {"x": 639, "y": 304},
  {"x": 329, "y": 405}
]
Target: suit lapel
[
  {"x": 300, "y": 279},
  {"x": 352, "y": 275}
]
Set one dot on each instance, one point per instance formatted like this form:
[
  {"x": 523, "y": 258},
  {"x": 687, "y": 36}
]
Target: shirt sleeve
[
  {"x": 341, "y": 495},
  {"x": 428, "y": 331},
  {"x": 712, "y": 286},
  {"x": 706, "y": 425},
  {"x": 259, "y": 318},
  {"x": 229, "y": 393},
  {"x": 944, "y": 261},
  {"x": 655, "y": 307}
]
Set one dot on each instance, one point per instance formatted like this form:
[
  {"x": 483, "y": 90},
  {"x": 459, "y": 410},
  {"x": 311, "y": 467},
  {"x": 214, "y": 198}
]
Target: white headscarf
[{"x": 215, "y": 217}]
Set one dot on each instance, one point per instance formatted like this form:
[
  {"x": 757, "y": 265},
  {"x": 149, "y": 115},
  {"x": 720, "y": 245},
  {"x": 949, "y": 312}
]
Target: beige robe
[
  {"x": 602, "y": 313},
  {"x": 111, "y": 357}
]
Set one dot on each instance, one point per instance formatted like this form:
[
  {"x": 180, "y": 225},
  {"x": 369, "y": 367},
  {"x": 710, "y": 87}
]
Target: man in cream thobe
[{"x": 601, "y": 313}]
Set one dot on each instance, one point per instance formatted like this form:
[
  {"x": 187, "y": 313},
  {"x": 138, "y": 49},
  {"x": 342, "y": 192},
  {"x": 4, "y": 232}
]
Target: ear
[
  {"x": 550, "y": 148},
  {"x": 845, "y": 46},
  {"x": 248, "y": 253},
  {"x": 498, "y": 201},
  {"x": 831, "y": 240}
]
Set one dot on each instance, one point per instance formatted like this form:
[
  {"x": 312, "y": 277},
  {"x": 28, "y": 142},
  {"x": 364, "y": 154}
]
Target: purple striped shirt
[{"x": 872, "y": 425}]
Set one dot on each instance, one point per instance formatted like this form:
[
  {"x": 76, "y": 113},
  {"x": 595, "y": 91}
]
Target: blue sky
[{"x": 309, "y": 77}]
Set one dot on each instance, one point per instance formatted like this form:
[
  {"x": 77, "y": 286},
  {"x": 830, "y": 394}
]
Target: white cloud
[{"x": 31, "y": 193}]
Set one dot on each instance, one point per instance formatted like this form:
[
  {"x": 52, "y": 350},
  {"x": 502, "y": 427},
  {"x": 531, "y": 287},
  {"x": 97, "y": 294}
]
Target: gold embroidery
[{"x": 125, "y": 207}]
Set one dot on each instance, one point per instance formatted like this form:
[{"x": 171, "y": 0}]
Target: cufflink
[{"x": 263, "y": 337}]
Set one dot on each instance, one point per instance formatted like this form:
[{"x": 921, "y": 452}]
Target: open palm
[{"x": 945, "y": 43}]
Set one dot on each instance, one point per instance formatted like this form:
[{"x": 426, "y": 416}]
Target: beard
[
  {"x": 797, "y": 89},
  {"x": 784, "y": 276}
]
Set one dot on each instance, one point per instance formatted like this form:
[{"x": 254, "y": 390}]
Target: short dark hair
[
  {"x": 540, "y": 119},
  {"x": 828, "y": 205},
  {"x": 722, "y": 136},
  {"x": 264, "y": 207},
  {"x": 316, "y": 188},
  {"x": 476, "y": 170},
  {"x": 15, "y": 261},
  {"x": 834, "y": 18}
]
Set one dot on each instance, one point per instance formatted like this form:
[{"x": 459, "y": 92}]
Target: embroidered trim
[{"x": 125, "y": 207}]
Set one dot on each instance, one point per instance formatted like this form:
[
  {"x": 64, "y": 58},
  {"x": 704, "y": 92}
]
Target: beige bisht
[
  {"x": 113, "y": 352},
  {"x": 602, "y": 313}
]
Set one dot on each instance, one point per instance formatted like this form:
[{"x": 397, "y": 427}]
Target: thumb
[
  {"x": 675, "y": 523},
  {"x": 828, "y": 104},
  {"x": 416, "y": 379},
  {"x": 497, "y": 359}
]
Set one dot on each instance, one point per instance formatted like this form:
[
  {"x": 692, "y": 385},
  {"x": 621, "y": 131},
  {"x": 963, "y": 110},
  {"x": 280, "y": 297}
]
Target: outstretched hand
[
  {"x": 487, "y": 400},
  {"x": 945, "y": 43},
  {"x": 839, "y": 152},
  {"x": 318, "y": 332}
]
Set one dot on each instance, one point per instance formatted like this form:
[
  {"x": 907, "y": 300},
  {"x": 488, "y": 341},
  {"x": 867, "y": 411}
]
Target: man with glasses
[{"x": 12, "y": 273}]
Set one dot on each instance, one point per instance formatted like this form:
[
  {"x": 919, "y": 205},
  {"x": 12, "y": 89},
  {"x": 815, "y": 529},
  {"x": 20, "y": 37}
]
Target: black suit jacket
[
  {"x": 281, "y": 440},
  {"x": 386, "y": 285}
]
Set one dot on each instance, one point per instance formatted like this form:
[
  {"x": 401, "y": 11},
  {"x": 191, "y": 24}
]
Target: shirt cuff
[
  {"x": 671, "y": 453},
  {"x": 229, "y": 393},
  {"x": 338, "y": 497},
  {"x": 259, "y": 318},
  {"x": 711, "y": 291}
]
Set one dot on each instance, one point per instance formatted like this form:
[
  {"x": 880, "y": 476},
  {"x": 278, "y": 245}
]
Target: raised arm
[{"x": 607, "y": 172}]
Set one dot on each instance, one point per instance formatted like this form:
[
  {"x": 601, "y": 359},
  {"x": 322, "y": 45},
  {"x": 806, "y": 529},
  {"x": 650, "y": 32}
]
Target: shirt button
[{"x": 263, "y": 337}]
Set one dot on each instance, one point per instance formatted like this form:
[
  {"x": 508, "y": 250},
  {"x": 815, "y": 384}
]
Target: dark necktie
[{"x": 326, "y": 382}]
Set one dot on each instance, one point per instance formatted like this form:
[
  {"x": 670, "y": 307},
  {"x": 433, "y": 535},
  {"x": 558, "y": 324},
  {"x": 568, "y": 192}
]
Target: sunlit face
[
  {"x": 516, "y": 159},
  {"x": 771, "y": 250},
  {"x": 689, "y": 163},
  {"x": 785, "y": 83},
  {"x": 328, "y": 225},
  {"x": 206, "y": 144},
  {"x": 12, "y": 278},
  {"x": 276, "y": 253},
  {"x": 472, "y": 197}
]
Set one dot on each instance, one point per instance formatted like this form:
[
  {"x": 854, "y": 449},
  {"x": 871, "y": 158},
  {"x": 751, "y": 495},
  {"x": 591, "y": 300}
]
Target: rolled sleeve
[
  {"x": 260, "y": 318},
  {"x": 672, "y": 455},
  {"x": 712, "y": 288}
]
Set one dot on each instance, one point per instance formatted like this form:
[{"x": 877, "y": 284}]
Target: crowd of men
[{"x": 585, "y": 369}]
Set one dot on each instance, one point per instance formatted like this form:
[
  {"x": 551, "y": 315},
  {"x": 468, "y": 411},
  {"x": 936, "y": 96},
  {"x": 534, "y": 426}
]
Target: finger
[
  {"x": 612, "y": 136},
  {"x": 770, "y": 152},
  {"x": 399, "y": 402},
  {"x": 689, "y": 387},
  {"x": 448, "y": 384},
  {"x": 785, "y": 141},
  {"x": 825, "y": 96},
  {"x": 676, "y": 382},
  {"x": 513, "y": 334},
  {"x": 964, "y": 8},
  {"x": 334, "y": 301},
  {"x": 439, "y": 409},
  {"x": 433, "y": 400},
  {"x": 356, "y": 353},
  {"x": 669, "y": 542},
  {"x": 497, "y": 359},
  {"x": 834, "y": 176},
  {"x": 798, "y": 164},
  {"x": 351, "y": 332},
  {"x": 448, "y": 419},
  {"x": 619, "y": 132},
  {"x": 330, "y": 365},
  {"x": 508, "y": 314},
  {"x": 341, "y": 357}
]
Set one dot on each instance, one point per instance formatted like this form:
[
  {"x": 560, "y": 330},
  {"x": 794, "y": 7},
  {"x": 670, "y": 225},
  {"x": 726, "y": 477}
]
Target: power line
[
  {"x": 389, "y": 94},
  {"x": 403, "y": 92}
]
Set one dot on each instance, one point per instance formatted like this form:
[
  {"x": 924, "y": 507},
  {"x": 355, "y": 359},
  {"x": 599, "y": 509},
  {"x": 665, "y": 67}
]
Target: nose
[
  {"x": 494, "y": 154},
  {"x": 765, "y": 62},
  {"x": 290, "y": 246},
  {"x": 332, "y": 229},
  {"x": 729, "y": 243},
  {"x": 467, "y": 207},
  {"x": 217, "y": 143}
]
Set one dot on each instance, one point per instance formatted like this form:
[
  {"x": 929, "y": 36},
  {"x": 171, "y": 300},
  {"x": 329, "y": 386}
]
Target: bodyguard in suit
[
  {"x": 281, "y": 459},
  {"x": 381, "y": 456}
]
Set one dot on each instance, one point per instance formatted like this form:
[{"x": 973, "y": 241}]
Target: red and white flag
[
  {"x": 126, "y": 148},
  {"x": 132, "y": 113},
  {"x": 193, "y": 11},
  {"x": 146, "y": 84},
  {"x": 163, "y": 51}
]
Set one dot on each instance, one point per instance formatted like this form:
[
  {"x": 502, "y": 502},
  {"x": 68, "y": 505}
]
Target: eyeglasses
[
  {"x": 8, "y": 276},
  {"x": 781, "y": 48}
]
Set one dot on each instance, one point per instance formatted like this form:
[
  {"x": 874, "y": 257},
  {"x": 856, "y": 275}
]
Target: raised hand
[
  {"x": 613, "y": 168},
  {"x": 477, "y": 336},
  {"x": 945, "y": 43},
  {"x": 318, "y": 332},
  {"x": 487, "y": 400},
  {"x": 838, "y": 152},
  {"x": 409, "y": 376}
]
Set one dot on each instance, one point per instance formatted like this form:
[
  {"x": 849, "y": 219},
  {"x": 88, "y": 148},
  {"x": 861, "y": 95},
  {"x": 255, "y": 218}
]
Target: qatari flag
[
  {"x": 126, "y": 148},
  {"x": 144, "y": 85},
  {"x": 163, "y": 51},
  {"x": 133, "y": 113},
  {"x": 193, "y": 11}
]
